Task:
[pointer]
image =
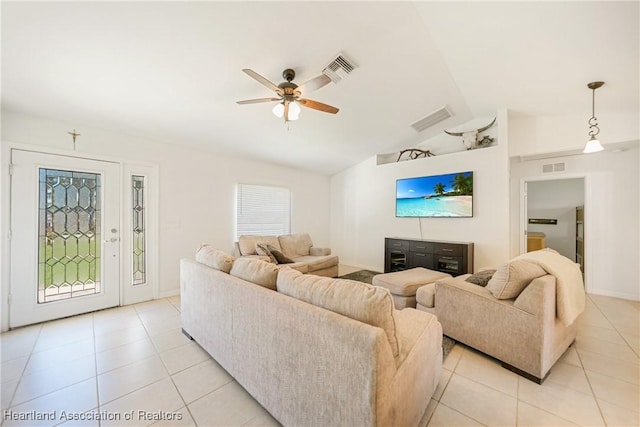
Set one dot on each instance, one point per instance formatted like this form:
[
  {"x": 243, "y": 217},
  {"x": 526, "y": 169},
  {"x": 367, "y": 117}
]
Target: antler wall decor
[{"x": 415, "y": 153}]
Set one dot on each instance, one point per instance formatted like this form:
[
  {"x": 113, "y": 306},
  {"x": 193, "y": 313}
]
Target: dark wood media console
[{"x": 455, "y": 258}]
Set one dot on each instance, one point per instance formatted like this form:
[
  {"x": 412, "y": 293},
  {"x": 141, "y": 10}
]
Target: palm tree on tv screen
[
  {"x": 463, "y": 185},
  {"x": 439, "y": 189}
]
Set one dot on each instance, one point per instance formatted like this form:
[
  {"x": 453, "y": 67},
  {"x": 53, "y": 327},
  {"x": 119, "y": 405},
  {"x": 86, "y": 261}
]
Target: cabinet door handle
[
  {"x": 447, "y": 250},
  {"x": 446, "y": 257},
  {"x": 419, "y": 254}
]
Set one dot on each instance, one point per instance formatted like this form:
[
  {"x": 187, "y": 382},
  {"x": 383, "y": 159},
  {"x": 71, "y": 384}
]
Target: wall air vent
[
  {"x": 431, "y": 119},
  {"x": 339, "y": 68},
  {"x": 554, "y": 167}
]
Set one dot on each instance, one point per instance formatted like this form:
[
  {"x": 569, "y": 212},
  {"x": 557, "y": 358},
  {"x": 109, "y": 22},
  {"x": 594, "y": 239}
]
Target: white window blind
[{"x": 263, "y": 210}]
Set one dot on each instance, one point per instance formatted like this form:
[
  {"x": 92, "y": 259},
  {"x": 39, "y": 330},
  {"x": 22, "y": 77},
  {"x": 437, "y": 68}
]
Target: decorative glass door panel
[
  {"x": 65, "y": 245},
  {"x": 70, "y": 232},
  {"x": 138, "y": 230}
]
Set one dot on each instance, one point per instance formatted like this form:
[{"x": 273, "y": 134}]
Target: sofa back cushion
[
  {"x": 512, "y": 277},
  {"x": 214, "y": 258},
  {"x": 359, "y": 301},
  {"x": 247, "y": 244},
  {"x": 255, "y": 271},
  {"x": 295, "y": 245}
]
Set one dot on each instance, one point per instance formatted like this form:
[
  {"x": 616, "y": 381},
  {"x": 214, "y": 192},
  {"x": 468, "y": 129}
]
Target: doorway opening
[{"x": 555, "y": 214}]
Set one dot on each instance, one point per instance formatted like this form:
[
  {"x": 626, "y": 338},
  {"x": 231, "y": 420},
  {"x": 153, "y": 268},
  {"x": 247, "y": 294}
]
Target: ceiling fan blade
[
  {"x": 318, "y": 106},
  {"x": 257, "y": 100},
  {"x": 314, "y": 84},
  {"x": 262, "y": 80}
]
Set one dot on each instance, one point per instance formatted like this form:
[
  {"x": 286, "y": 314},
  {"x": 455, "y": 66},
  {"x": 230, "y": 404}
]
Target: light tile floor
[{"x": 132, "y": 366}]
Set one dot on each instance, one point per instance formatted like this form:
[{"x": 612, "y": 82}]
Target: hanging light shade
[
  {"x": 278, "y": 110},
  {"x": 294, "y": 111},
  {"x": 593, "y": 145}
]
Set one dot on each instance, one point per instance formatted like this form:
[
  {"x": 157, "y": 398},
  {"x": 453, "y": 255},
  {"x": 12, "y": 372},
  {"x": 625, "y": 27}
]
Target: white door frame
[
  {"x": 149, "y": 169},
  {"x": 587, "y": 216}
]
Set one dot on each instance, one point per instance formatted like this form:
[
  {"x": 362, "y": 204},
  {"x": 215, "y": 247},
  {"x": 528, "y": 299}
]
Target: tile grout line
[
  {"x": 13, "y": 395},
  {"x": 614, "y": 326},
  {"x": 593, "y": 393}
]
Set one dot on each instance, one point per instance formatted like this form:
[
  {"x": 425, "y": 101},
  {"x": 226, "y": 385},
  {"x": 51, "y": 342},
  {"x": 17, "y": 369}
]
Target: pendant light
[{"x": 593, "y": 144}]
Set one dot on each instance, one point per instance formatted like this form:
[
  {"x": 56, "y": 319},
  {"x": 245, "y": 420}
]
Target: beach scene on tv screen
[{"x": 449, "y": 195}]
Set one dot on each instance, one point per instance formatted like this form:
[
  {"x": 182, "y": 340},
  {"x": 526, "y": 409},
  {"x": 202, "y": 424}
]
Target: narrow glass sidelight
[
  {"x": 138, "y": 230},
  {"x": 69, "y": 233}
]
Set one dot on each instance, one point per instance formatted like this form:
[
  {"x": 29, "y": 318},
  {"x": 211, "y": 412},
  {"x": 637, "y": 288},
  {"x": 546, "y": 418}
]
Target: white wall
[
  {"x": 197, "y": 189},
  {"x": 612, "y": 214},
  {"x": 558, "y": 200},
  {"x": 363, "y": 206},
  {"x": 530, "y": 135}
]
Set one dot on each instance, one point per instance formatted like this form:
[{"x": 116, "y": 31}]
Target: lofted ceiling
[{"x": 171, "y": 71}]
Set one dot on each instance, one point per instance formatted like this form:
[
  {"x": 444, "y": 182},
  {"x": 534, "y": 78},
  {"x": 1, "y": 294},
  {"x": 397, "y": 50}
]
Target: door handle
[{"x": 111, "y": 240}]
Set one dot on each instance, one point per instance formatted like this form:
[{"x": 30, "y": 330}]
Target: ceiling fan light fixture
[
  {"x": 278, "y": 110},
  {"x": 294, "y": 111},
  {"x": 593, "y": 145}
]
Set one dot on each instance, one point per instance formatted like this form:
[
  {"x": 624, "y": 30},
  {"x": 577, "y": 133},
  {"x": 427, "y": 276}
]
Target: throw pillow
[
  {"x": 263, "y": 249},
  {"x": 511, "y": 278},
  {"x": 481, "y": 278},
  {"x": 279, "y": 256},
  {"x": 256, "y": 271},
  {"x": 214, "y": 258}
]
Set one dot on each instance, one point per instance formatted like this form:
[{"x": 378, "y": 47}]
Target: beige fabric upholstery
[
  {"x": 407, "y": 282},
  {"x": 247, "y": 244},
  {"x": 570, "y": 293},
  {"x": 360, "y": 301},
  {"x": 214, "y": 258},
  {"x": 313, "y": 251},
  {"x": 307, "y": 365},
  {"x": 298, "y": 247},
  {"x": 295, "y": 245},
  {"x": 524, "y": 333},
  {"x": 512, "y": 277},
  {"x": 425, "y": 295},
  {"x": 256, "y": 271}
]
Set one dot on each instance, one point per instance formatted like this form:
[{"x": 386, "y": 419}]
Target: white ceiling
[{"x": 171, "y": 71}]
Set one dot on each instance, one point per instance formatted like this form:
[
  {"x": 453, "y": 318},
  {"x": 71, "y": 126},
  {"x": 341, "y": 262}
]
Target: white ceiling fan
[{"x": 290, "y": 94}]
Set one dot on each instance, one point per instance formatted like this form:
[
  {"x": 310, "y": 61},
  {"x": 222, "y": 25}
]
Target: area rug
[{"x": 366, "y": 276}]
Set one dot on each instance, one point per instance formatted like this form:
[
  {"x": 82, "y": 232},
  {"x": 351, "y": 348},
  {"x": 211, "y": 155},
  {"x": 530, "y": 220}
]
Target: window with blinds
[{"x": 263, "y": 210}]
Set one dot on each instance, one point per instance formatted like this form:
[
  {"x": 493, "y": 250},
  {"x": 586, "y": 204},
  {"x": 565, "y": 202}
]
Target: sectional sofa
[
  {"x": 299, "y": 248},
  {"x": 313, "y": 351}
]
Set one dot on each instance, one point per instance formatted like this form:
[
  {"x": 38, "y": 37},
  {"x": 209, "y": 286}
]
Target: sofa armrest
[
  {"x": 539, "y": 297},
  {"x": 314, "y": 251}
]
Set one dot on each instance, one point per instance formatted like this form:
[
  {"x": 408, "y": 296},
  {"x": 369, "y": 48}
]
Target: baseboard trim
[{"x": 167, "y": 294}]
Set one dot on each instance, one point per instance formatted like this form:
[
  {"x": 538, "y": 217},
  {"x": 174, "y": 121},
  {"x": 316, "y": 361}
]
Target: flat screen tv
[{"x": 443, "y": 196}]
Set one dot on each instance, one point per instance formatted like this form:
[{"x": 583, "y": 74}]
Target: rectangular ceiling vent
[
  {"x": 339, "y": 68},
  {"x": 554, "y": 167},
  {"x": 431, "y": 119}
]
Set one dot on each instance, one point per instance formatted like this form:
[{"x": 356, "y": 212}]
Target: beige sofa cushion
[
  {"x": 247, "y": 244},
  {"x": 214, "y": 258},
  {"x": 318, "y": 262},
  {"x": 359, "y": 301},
  {"x": 261, "y": 273},
  {"x": 512, "y": 277},
  {"x": 295, "y": 245}
]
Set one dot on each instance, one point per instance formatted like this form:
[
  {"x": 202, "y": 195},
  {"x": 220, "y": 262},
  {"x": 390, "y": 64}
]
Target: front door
[{"x": 65, "y": 236}]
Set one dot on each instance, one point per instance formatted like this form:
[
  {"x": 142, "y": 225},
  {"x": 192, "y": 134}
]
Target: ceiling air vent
[
  {"x": 339, "y": 68},
  {"x": 554, "y": 167},
  {"x": 431, "y": 119}
]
